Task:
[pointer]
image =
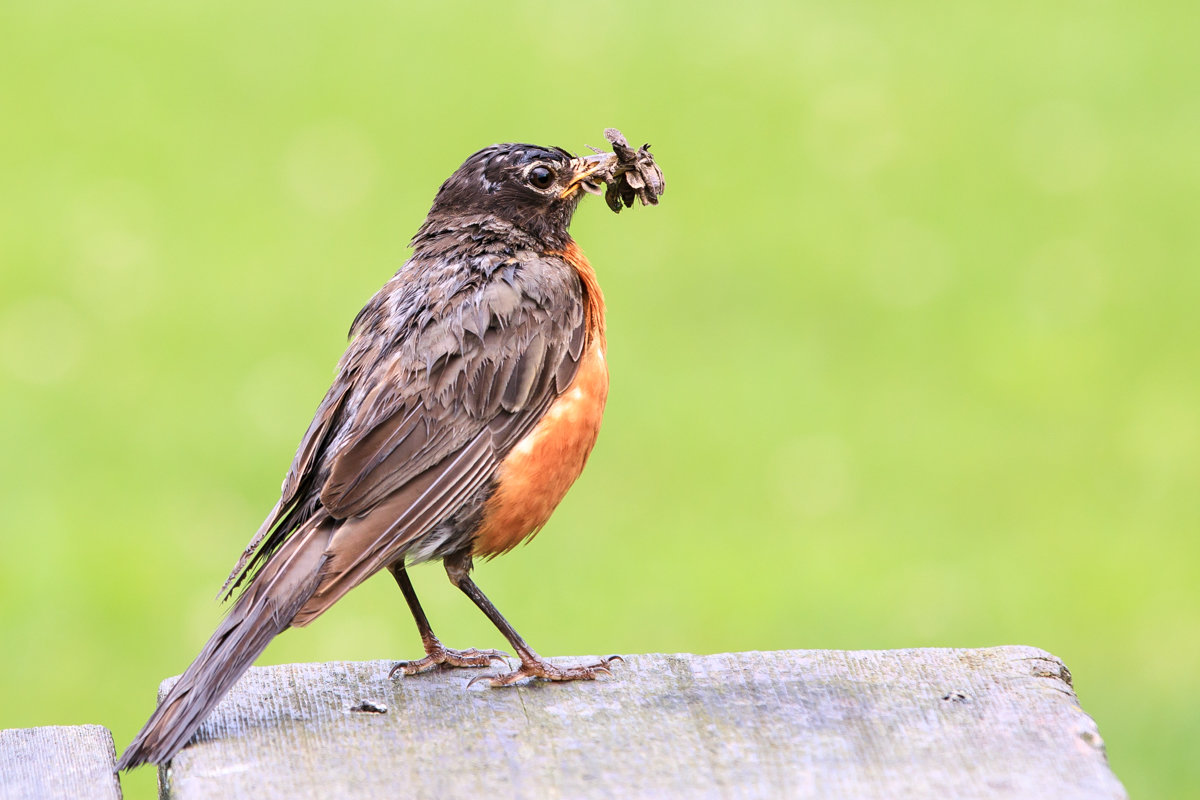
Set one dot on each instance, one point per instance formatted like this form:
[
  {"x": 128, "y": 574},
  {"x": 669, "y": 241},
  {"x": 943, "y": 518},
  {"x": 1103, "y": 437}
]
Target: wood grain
[
  {"x": 991, "y": 723},
  {"x": 68, "y": 762}
]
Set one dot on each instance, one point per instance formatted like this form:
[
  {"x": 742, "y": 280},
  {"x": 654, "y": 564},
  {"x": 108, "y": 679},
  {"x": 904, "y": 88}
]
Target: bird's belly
[{"x": 536, "y": 474}]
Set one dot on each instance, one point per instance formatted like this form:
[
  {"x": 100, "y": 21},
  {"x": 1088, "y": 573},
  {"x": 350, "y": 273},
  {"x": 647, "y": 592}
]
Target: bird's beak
[{"x": 590, "y": 173}]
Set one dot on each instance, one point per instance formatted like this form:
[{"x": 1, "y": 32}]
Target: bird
[{"x": 464, "y": 407}]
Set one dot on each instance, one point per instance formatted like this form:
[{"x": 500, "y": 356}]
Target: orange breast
[{"x": 536, "y": 474}]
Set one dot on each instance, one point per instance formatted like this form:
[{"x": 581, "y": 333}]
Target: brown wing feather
[
  {"x": 443, "y": 379},
  {"x": 300, "y": 471}
]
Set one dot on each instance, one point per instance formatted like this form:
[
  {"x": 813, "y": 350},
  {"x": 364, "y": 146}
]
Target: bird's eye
[{"x": 541, "y": 177}]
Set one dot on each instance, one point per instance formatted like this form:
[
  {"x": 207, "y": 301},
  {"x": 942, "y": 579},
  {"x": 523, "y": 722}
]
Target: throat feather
[{"x": 593, "y": 297}]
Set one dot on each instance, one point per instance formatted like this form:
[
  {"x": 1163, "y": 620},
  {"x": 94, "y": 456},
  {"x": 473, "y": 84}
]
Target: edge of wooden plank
[{"x": 58, "y": 761}]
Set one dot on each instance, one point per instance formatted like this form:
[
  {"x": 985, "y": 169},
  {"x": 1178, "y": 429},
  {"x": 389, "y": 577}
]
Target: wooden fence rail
[{"x": 1000, "y": 722}]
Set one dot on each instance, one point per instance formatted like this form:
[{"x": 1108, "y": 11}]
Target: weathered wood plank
[
  {"x": 993, "y": 723},
  {"x": 70, "y": 762}
]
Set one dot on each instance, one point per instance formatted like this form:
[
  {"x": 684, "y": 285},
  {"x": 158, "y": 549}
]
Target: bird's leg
[
  {"x": 458, "y": 568},
  {"x": 436, "y": 654}
]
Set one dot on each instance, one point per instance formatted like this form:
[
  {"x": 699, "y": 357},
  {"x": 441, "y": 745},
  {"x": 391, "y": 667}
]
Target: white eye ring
[{"x": 540, "y": 176}]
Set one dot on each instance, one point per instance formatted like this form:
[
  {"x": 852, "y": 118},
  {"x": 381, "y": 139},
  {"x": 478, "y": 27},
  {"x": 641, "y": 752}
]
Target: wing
[
  {"x": 450, "y": 368},
  {"x": 288, "y": 513}
]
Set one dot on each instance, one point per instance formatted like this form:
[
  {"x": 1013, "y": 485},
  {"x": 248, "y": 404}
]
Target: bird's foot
[
  {"x": 533, "y": 666},
  {"x": 444, "y": 657}
]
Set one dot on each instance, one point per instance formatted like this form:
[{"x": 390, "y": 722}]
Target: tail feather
[{"x": 263, "y": 611}]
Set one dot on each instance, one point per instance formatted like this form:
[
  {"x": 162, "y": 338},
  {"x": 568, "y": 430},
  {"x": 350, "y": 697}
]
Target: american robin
[{"x": 464, "y": 408}]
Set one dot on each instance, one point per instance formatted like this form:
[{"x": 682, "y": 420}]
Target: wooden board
[
  {"x": 993, "y": 723},
  {"x": 70, "y": 762}
]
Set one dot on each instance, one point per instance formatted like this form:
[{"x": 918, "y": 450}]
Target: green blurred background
[{"x": 906, "y": 357}]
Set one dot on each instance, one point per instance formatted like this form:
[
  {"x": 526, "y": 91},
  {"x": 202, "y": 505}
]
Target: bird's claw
[
  {"x": 445, "y": 658},
  {"x": 536, "y": 668}
]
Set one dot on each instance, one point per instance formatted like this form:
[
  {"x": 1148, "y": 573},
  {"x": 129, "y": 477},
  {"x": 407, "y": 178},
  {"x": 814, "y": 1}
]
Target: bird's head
[{"x": 534, "y": 188}]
